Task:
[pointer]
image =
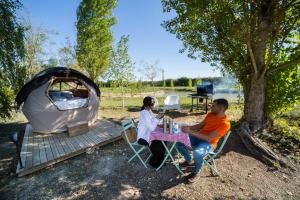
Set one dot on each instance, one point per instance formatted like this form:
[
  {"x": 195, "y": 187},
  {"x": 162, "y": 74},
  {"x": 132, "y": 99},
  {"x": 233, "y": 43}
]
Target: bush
[
  {"x": 172, "y": 83},
  {"x": 190, "y": 83},
  {"x": 283, "y": 90},
  {"x": 6, "y": 101}
]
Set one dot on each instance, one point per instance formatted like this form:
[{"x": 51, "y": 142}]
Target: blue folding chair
[
  {"x": 135, "y": 146},
  {"x": 209, "y": 159}
]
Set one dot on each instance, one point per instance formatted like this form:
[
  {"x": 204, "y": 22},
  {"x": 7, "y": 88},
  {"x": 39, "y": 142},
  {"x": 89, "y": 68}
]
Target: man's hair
[{"x": 222, "y": 102}]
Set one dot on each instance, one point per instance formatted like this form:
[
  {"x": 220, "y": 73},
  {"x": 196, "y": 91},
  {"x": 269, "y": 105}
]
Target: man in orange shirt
[{"x": 205, "y": 136}]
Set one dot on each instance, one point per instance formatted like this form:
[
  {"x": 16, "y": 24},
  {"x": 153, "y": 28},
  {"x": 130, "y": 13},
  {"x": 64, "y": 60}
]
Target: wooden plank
[
  {"x": 48, "y": 149},
  {"x": 80, "y": 142},
  {"x": 39, "y": 167},
  {"x": 36, "y": 153},
  {"x": 84, "y": 138},
  {"x": 53, "y": 147},
  {"x": 25, "y": 145},
  {"x": 61, "y": 137},
  {"x": 93, "y": 141},
  {"x": 42, "y": 149},
  {"x": 59, "y": 147},
  {"x": 103, "y": 136},
  {"x": 74, "y": 143},
  {"x": 93, "y": 134},
  {"x": 69, "y": 143},
  {"x": 105, "y": 133},
  {"x": 29, "y": 156}
]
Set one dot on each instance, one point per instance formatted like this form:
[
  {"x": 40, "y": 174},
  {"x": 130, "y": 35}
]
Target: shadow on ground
[{"x": 8, "y": 155}]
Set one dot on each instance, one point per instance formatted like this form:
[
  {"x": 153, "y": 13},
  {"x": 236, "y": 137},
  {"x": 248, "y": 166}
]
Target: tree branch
[
  {"x": 252, "y": 58},
  {"x": 285, "y": 65},
  {"x": 267, "y": 65}
]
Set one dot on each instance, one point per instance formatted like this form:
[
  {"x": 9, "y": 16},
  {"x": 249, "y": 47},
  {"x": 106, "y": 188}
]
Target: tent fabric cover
[
  {"x": 44, "y": 76},
  {"x": 44, "y": 115}
]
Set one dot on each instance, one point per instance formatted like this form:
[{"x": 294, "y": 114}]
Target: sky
[{"x": 140, "y": 19}]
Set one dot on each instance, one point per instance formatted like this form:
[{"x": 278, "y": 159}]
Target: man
[{"x": 205, "y": 136}]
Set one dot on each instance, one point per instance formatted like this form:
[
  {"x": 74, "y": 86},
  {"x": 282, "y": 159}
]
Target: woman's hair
[{"x": 148, "y": 102}]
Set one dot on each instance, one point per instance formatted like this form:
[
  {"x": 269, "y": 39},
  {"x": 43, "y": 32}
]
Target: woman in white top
[{"x": 147, "y": 123}]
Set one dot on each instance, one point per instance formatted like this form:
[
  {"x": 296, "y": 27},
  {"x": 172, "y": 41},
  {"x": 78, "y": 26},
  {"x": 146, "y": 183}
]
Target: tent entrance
[{"x": 68, "y": 93}]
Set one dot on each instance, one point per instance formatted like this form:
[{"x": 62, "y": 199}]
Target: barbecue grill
[{"x": 204, "y": 91}]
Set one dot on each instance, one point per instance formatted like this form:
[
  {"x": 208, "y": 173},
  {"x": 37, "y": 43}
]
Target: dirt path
[{"x": 105, "y": 174}]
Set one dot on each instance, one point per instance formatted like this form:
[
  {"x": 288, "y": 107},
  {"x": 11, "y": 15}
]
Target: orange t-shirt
[{"x": 214, "y": 123}]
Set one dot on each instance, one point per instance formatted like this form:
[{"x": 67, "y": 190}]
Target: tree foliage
[
  {"x": 121, "y": 68},
  {"x": 11, "y": 53},
  {"x": 254, "y": 40},
  {"x": 67, "y": 55},
  {"x": 34, "y": 41},
  {"x": 171, "y": 83},
  {"x": 94, "y": 36}
]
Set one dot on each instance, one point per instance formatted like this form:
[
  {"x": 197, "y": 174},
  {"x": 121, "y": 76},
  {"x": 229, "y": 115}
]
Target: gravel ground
[{"x": 105, "y": 174}]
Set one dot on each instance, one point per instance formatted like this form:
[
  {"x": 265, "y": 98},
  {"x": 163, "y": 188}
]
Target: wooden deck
[{"x": 42, "y": 150}]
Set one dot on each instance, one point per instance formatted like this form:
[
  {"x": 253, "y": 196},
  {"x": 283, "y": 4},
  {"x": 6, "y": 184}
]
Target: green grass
[{"x": 146, "y": 89}]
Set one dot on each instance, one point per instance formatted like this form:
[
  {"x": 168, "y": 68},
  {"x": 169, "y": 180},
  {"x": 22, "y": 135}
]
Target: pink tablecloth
[{"x": 182, "y": 137}]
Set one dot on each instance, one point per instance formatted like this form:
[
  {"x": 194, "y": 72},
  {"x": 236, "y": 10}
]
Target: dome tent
[{"x": 59, "y": 96}]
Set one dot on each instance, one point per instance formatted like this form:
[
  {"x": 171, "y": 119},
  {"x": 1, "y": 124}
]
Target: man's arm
[
  {"x": 196, "y": 127},
  {"x": 207, "y": 137}
]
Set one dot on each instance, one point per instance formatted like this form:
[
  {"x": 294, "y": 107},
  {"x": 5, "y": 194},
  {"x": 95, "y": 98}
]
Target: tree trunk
[
  {"x": 254, "y": 109},
  {"x": 255, "y": 120},
  {"x": 123, "y": 98}
]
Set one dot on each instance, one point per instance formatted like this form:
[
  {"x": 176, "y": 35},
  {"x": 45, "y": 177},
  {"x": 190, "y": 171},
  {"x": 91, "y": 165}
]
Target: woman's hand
[{"x": 160, "y": 115}]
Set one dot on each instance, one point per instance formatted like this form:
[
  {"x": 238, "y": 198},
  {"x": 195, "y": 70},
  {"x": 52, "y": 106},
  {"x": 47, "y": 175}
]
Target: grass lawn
[{"x": 146, "y": 89}]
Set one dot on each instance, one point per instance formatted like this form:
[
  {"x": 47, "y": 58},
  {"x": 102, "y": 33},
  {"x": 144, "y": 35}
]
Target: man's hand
[{"x": 186, "y": 129}]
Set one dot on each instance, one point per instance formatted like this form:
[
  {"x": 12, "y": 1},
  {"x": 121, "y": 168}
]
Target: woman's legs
[
  {"x": 158, "y": 153},
  {"x": 143, "y": 142},
  {"x": 157, "y": 149}
]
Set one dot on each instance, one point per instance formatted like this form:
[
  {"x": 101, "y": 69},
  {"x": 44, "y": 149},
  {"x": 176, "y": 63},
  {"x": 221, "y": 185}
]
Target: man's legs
[
  {"x": 183, "y": 149},
  {"x": 200, "y": 149},
  {"x": 199, "y": 152}
]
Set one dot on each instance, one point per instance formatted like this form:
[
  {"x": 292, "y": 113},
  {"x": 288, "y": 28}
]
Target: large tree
[
  {"x": 34, "y": 41},
  {"x": 121, "y": 69},
  {"x": 94, "y": 35},
  {"x": 67, "y": 55},
  {"x": 11, "y": 53},
  {"x": 257, "y": 41}
]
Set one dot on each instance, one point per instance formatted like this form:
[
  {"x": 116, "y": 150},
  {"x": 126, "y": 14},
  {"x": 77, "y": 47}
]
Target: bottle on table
[
  {"x": 171, "y": 126},
  {"x": 165, "y": 124}
]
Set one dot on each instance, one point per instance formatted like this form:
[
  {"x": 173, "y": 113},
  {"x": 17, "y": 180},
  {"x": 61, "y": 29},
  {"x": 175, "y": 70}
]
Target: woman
[{"x": 147, "y": 123}]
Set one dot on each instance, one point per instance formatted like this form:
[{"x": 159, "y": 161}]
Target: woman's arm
[{"x": 150, "y": 122}]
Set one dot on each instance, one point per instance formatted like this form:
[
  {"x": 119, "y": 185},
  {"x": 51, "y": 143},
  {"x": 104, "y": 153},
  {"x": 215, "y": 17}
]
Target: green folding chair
[
  {"x": 209, "y": 159},
  {"x": 135, "y": 146}
]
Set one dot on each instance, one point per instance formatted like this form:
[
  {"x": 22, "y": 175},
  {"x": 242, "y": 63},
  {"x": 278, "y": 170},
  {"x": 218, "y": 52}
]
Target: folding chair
[
  {"x": 209, "y": 160},
  {"x": 172, "y": 102},
  {"x": 135, "y": 146}
]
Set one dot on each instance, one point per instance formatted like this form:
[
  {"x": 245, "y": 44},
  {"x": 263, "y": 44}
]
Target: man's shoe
[
  {"x": 187, "y": 164},
  {"x": 193, "y": 177}
]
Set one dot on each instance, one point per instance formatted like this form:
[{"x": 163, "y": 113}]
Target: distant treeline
[{"x": 183, "y": 82}]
